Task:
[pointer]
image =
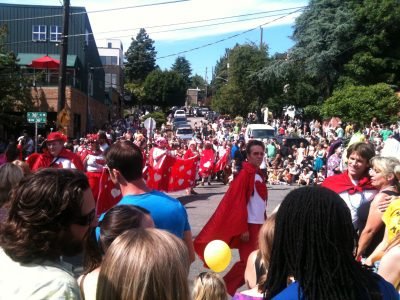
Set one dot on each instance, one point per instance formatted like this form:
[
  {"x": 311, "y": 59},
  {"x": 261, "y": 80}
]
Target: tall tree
[
  {"x": 182, "y": 67},
  {"x": 376, "y": 45},
  {"x": 244, "y": 62},
  {"x": 165, "y": 89},
  {"x": 141, "y": 58}
]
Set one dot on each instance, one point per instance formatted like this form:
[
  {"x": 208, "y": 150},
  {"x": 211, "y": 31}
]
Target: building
[
  {"x": 111, "y": 53},
  {"x": 34, "y": 32}
]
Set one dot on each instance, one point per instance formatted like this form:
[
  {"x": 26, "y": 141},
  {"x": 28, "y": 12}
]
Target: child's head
[{"x": 209, "y": 285}]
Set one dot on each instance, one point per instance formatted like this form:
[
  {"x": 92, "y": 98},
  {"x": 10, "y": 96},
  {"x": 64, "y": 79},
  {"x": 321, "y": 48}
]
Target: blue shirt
[
  {"x": 292, "y": 291},
  {"x": 167, "y": 212}
]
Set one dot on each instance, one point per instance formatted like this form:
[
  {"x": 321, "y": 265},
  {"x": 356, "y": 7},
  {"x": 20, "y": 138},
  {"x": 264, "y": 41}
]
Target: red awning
[{"x": 45, "y": 62}]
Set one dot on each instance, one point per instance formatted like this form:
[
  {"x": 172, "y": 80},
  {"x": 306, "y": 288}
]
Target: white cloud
[{"x": 125, "y": 23}]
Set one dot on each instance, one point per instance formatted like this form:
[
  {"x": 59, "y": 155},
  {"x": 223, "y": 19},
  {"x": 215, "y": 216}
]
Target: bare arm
[
  {"x": 250, "y": 272},
  {"x": 379, "y": 250},
  {"x": 374, "y": 223},
  {"x": 187, "y": 239}
]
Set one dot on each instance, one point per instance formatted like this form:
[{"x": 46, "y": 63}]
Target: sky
[{"x": 201, "y": 42}]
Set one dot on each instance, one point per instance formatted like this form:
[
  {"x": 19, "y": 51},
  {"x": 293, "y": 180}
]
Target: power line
[
  {"x": 183, "y": 28},
  {"x": 97, "y": 11}
]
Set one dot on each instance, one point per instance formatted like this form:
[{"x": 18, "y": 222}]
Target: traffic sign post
[
  {"x": 36, "y": 117},
  {"x": 150, "y": 124}
]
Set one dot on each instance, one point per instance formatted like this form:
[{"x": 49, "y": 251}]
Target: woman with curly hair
[{"x": 314, "y": 242}]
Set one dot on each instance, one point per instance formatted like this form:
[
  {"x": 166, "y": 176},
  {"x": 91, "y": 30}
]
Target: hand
[
  {"x": 245, "y": 236},
  {"x": 384, "y": 203}
]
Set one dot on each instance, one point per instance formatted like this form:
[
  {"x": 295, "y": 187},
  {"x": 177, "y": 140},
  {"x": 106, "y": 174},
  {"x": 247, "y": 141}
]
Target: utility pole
[
  {"x": 63, "y": 59},
  {"x": 261, "y": 37},
  {"x": 205, "y": 79}
]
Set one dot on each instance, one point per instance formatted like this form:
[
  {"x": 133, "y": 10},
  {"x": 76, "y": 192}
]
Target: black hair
[{"x": 314, "y": 242}]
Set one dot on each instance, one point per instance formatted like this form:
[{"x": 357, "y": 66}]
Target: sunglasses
[{"x": 85, "y": 220}]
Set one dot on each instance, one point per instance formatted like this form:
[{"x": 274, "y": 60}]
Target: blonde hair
[
  {"x": 388, "y": 166},
  {"x": 10, "y": 176},
  {"x": 209, "y": 285},
  {"x": 145, "y": 264},
  {"x": 265, "y": 243}
]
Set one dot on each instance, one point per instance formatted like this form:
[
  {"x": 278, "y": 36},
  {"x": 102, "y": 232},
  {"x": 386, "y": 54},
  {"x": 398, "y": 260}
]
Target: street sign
[
  {"x": 36, "y": 117},
  {"x": 149, "y": 123}
]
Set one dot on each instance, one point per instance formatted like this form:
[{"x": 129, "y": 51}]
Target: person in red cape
[
  {"x": 354, "y": 184},
  {"x": 94, "y": 163},
  {"x": 56, "y": 156},
  {"x": 239, "y": 216},
  {"x": 192, "y": 152},
  {"x": 207, "y": 160}
]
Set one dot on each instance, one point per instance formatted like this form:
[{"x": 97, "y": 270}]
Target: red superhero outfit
[
  {"x": 230, "y": 221},
  {"x": 66, "y": 157}
]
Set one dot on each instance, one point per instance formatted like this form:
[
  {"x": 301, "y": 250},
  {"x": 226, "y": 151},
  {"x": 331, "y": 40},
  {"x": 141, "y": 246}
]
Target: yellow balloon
[{"x": 217, "y": 255}]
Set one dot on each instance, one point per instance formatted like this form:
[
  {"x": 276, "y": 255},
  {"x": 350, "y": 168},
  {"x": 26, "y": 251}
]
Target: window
[
  {"x": 109, "y": 45},
  {"x": 111, "y": 80},
  {"x": 55, "y": 33},
  {"x": 109, "y": 60},
  {"x": 39, "y": 33}
]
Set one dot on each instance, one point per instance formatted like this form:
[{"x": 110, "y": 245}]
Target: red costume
[
  {"x": 341, "y": 183},
  {"x": 46, "y": 160},
  {"x": 207, "y": 163},
  {"x": 229, "y": 222}
]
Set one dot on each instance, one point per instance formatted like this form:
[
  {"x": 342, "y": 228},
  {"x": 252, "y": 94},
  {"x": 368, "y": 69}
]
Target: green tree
[
  {"x": 362, "y": 103},
  {"x": 197, "y": 81},
  {"x": 141, "y": 58},
  {"x": 244, "y": 62},
  {"x": 15, "y": 93},
  {"x": 182, "y": 67},
  {"x": 165, "y": 89},
  {"x": 376, "y": 45}
]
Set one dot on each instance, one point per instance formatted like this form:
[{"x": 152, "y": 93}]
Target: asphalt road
[{"x": 200, "y": 208}]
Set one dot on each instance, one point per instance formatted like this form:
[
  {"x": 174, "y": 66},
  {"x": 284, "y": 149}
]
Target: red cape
[
  {"x": 341, "y": 183},
  {"x": 229, "y": 220},
  {"x": 45, "y": 159},
  {"x": 207, "y": 159}
]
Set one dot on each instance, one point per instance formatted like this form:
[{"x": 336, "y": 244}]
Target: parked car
[
  {"x": 291, "y": 140},
  {"x": 184, "y": 133},
  {"x": 179, "y": 113}
]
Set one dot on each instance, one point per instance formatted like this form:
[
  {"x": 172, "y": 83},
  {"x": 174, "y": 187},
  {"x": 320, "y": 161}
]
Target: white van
[{"x": 258, "y": 132}]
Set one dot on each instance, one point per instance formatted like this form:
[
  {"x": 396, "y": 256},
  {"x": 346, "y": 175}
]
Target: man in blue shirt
[{"x": 125, "y": 161}]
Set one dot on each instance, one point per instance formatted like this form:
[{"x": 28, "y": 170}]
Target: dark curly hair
[
  {"x": 314, "y": 242},
  {"x": 42, "y": 207}
]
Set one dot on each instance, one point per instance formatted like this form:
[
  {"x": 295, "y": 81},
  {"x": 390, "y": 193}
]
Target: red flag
[{"x": 221, "y": 163}]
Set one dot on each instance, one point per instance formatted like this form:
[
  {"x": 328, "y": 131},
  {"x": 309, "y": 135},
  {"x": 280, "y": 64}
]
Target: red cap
[{"x": 56, "y": 136}]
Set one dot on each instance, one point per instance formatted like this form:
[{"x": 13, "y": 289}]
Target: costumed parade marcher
[
  {"x": 239, "y": 216},
  {"x": 169, "y": 173},
  {"x": 354, "y": 185},
  {"x": 207, "y": 159},
  {"x": 94, "y": 163},
  {"x": 56, "y": 156}
]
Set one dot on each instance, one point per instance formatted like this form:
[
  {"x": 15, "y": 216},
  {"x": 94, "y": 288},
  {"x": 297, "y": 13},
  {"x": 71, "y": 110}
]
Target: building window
[
  {"x": 109, "y": 60},
  {"x": 109, "y": 45},
  {"x": 39, "y": 33},
  {"x": 55, "y": 33}
]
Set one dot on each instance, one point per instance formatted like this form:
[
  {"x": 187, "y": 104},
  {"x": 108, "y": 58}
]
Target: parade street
[{"x": 200, "y": 208}]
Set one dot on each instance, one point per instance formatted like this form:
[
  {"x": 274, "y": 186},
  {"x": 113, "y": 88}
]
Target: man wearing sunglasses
[
  {"x": 240, "y": 215},
  {"x": 50, "y": 214}
]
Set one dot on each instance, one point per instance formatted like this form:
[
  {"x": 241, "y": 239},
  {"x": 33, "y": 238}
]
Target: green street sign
[{"x": 36, "y": 117}]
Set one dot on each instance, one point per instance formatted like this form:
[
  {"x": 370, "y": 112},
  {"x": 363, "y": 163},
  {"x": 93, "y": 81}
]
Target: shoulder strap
[{"x": 81, "y": 287}]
